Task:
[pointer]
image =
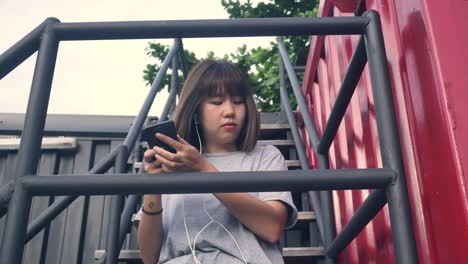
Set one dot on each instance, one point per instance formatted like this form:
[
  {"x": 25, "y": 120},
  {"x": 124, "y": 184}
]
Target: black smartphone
[{"x": 167, "y": 128}]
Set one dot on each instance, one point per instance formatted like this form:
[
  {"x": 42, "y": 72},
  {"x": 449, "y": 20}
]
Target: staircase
[{"x": 302, "y": 243}]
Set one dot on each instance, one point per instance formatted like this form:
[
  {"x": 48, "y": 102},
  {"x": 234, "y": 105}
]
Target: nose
[{"x": 229, "y": 108}]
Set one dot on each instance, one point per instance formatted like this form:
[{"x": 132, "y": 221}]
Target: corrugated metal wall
[
  {"x": 78, "y": 231},
  {"x": 427, "y": 97}
]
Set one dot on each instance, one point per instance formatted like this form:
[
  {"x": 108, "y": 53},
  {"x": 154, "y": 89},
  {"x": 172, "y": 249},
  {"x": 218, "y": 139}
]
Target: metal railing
[{"x": 389, "y": 181}]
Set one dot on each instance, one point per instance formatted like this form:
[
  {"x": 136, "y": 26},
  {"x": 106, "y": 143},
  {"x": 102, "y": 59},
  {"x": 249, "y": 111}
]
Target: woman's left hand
[{"x": 186, "y": 158}]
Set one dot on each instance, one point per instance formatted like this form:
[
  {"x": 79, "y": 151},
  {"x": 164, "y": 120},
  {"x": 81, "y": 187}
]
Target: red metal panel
[
  {"x": 428, "y": 63},
  {"x": 315, "y": 50},
  {"x": 346, "y": 5},
  {"x": 436, "y": 179}
]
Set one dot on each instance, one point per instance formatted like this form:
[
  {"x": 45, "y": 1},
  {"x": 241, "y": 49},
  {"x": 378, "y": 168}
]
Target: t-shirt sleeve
[{"x": 273, "y": 160}]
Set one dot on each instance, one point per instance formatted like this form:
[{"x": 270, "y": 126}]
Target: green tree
[{"x": 261, "y": 64}]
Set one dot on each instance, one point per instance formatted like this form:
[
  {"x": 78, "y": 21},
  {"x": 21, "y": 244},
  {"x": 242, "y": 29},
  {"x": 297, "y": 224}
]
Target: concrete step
[{"x": 288, "y": 253}]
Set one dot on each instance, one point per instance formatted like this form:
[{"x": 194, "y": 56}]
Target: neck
[{"x": 216, "y": 148}]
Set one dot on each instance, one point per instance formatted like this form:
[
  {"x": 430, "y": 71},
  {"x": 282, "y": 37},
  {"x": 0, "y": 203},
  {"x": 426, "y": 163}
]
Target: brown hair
[{"x": 213, "y": 78}]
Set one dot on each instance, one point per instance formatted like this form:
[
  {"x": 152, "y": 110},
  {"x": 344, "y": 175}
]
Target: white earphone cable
[
  {"x": 212, "y": 220},
  {"x": 199, "y": 139}
]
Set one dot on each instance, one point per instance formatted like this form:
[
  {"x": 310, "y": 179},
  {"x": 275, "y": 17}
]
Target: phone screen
[{"x": 167, "y": 128}]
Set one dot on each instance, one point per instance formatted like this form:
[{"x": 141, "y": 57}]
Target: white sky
[{"x": 100, "y": 77}]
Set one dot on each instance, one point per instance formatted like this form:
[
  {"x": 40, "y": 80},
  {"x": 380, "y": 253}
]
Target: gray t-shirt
[{"x": 205, "y": 217}]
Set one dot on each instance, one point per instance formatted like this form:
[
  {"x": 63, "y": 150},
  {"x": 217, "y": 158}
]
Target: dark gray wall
[{"x": 78, "y": 231}]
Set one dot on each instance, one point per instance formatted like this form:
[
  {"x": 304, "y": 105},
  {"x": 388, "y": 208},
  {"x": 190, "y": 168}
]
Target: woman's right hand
[{"x": 152, "y": 165}]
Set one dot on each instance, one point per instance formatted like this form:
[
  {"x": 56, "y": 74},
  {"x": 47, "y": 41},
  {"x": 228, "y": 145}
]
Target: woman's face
[{"x": 222, "y": 119}]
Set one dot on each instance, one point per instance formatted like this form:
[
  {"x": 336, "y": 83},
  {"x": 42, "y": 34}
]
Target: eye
[
  {"x": 238, "y": 100},
  {"x": 215, "y": 102}
]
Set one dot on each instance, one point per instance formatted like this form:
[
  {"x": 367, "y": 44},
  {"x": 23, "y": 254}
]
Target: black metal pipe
[
  {"x": 326, "y": 196},
  {"x": 112, "y": 242},
  {"x": 397, "y": 196},
  {"x": 182, "y": 60},
  {"x": 6, "y": 192},
  {"x": 128, "y": 211},
  {"x": 211, "y": 28},
  {"x": 21, "y": 50},
  {"x": 350, "y": 81},
  {"x": 31, "y": 137},
  {"x": 309, "y": 123},
  {"x": 41, "y": 221},
  {"x": 299, "y": 68},
  {"x": 174, "y": 87},
  {"x": 197, "y": 182},
  {"x": 132, "y": 200},
  {"x": 300, "y": 148},
  {"x": 137, "y": 124},
  {"x": 368, "y": 210},
  {"x": 175, "y": 82},
  {"x": 30, "y": 145},
  {"x": 126, "y": 217},
  {"x": 15, "y": 229},
  {"x": 326, "y": 199}
]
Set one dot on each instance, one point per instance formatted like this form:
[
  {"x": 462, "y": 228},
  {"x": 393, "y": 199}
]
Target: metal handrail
[
  {"x": 391, "y": 176},
  {"x": 59, "y": 205},
  {"x": 372, "y": 43},
  {"x": 22, "y": 50},
  {"x": 329, "y": 229},
  {"x": 349, "y": 84},
  {"x": 314, "y": 198}
]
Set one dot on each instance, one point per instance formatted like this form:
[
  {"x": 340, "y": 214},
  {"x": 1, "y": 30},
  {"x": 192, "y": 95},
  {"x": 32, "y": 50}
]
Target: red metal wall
[{"x": 426, "y": 43}]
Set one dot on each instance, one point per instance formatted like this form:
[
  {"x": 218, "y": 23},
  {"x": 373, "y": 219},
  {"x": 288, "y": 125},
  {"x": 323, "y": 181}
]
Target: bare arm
[
  {"x": 266, "y": 219},
  {"x": 150, "y": 232}
]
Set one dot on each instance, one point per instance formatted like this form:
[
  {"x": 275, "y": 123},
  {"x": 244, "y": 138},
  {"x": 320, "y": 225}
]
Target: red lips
[{"x": 230, "y": 124}]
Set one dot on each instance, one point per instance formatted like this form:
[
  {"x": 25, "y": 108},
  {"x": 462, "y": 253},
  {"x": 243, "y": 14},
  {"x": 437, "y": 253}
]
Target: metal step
[
  {"x": 274, "y": 126},
  {"x": 306, "y": 216},
  {"x": 273, "y": 130},
  {"x": 295, "y": 252},
  {"x": 277, "y": 142},
  {"x": 290, "y": 163},
  {"x": 274, "y": 142}
]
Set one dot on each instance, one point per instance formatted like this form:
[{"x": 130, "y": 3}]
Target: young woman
[{"x": 218, "y": 126}]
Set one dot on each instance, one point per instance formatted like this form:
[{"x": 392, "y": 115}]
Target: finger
[
  {"x": 154, "y": 167},
  {"x": 150, "y": 159},
  {"x": 166, "y": 154},
  {"x": 169, "y": 141},
  {"x": 149, "y": 155},
  {"x": 166, "y": 169},
  {"x": 154, "y": 164},
  {"x": 182, "y": 140},
  {"x": 167, "y": 163}
]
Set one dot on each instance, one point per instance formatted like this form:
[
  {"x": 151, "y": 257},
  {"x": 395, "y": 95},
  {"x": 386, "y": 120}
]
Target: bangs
[{"x": 224, "y": 79}]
